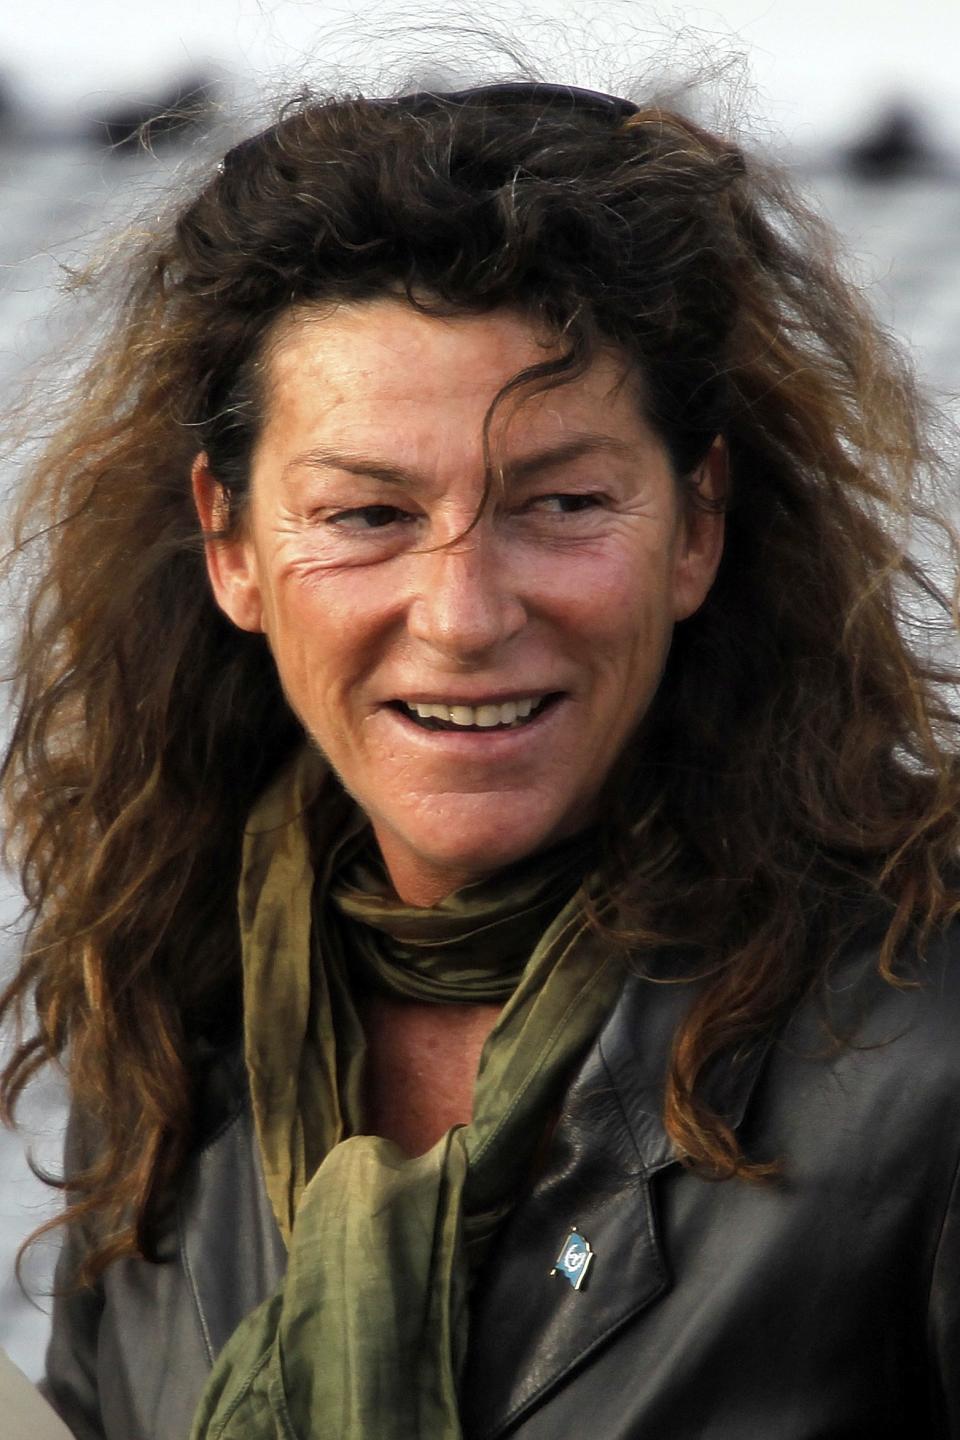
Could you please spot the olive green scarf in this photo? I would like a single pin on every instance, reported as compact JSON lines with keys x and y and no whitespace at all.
{"x":365,"y":1338}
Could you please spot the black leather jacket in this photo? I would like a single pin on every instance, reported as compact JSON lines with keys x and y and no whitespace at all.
{"x":823,"y":1306}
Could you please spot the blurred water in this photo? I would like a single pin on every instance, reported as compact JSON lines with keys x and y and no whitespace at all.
{"x":53,"y":202}
{"x":904,"y":237}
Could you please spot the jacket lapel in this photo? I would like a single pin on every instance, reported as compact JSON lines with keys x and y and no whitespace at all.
{"x":532,"y":1330}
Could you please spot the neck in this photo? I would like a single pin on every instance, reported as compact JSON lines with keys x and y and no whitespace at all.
{"x":424,"y":883}
{"x":420,"y":883}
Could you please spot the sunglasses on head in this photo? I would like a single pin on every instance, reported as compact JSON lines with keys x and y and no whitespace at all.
{"x":521,"y":92}
{"x":508,"y":92}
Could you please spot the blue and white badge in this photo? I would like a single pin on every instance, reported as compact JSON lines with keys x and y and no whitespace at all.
{"x":574,"y":1259}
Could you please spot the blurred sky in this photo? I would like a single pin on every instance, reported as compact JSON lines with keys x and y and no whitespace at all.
{"x":819,"y":68}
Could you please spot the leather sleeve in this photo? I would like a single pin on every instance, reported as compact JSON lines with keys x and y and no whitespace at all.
{"x":944,"y":1318}
{"x":70,"y":1383}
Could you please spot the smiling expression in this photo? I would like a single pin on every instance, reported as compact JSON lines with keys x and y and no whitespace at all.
{"x":472,"y":687}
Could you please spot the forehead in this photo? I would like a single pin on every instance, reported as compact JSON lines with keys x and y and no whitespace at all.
{"x":383,"y":366}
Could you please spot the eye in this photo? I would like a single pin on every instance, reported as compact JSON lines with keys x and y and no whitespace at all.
{"x":567,"y":502}
{"x":369,"y":517}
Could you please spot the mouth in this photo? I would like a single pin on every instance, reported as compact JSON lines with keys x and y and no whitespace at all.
{"x":507,"y":715}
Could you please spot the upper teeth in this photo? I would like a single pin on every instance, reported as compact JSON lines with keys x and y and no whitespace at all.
{"x":482,"y":715}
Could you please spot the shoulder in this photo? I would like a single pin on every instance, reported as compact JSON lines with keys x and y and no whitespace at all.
{"x":853,"y":1008}
{"x":911,"y":1018}
{"x":220,"y":1106}
{"x":130,"y":1355}
{"x":862,"y":1085}
{"x":860,"y":1064}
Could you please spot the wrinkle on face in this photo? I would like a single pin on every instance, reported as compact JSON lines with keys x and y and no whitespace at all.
{"x":377,"y":579}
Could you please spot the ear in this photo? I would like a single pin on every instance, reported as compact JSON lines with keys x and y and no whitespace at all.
{"x":701,"y":539}
{"x":232,"y":563}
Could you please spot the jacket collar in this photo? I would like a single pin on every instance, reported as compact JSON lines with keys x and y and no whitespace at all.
{"x":531,"y":1331}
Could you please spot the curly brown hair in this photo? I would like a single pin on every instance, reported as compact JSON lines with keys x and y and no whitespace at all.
{"x":797,"y":773}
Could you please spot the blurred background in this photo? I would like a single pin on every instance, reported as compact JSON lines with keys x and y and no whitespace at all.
{"x":859,"y":101}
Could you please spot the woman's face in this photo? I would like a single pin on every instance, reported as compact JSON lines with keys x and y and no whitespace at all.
{"x":472,"y":687}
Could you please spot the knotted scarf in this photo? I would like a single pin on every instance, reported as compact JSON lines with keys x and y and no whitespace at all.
{"x":365,"y":1338}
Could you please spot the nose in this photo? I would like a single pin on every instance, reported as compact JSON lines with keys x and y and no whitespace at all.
{"x":466,"y":604}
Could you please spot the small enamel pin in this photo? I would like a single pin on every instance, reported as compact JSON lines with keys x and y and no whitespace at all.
{"x":574,"y":1259}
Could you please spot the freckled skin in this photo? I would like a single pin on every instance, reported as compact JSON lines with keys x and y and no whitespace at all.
{"x":356,"y":560}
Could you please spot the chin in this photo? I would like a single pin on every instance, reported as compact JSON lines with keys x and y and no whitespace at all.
{"x":431,"y":861}
{"x":486,"y":844}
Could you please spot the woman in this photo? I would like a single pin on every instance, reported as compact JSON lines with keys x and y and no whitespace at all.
{"x":493,"y":848}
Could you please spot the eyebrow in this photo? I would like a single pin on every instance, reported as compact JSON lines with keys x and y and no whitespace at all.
{"x":519,"y":468}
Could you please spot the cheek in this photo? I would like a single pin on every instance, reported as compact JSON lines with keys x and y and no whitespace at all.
{"x":321,"y":631}
{"x":630,"y":643}
{"x":623,"y":603}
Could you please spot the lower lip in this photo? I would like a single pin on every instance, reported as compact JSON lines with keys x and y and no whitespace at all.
{"x":495,"y":741}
